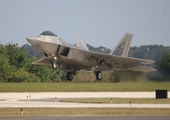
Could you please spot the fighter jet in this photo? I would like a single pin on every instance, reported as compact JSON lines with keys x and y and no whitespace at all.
{"x":73,"y":58}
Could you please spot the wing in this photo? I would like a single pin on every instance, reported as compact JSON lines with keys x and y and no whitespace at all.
{"x":43,"y":61}
{"x":113,"y":62}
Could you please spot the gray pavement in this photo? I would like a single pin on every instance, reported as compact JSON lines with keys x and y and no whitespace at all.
{"x":21,"y":104}
{"x":19,"y":100}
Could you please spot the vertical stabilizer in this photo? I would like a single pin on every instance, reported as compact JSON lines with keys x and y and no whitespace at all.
{"x":80,"y":43}
{"x":122,"y":48}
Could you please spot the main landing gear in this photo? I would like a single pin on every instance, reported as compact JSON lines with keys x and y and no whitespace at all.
{"x":69,"y":76}
{"x":97,"y":73}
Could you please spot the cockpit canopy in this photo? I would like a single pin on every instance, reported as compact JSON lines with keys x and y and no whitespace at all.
{"x":48,"y":33}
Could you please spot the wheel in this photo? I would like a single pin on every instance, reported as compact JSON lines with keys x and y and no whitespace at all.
{"x":98,"y":75}
{"x":69,"y":76}
{"x":54,"y":65}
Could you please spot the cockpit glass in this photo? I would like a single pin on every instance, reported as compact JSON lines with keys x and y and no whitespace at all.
{"x":48,"y":33}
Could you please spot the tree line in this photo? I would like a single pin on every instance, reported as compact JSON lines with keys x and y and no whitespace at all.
{"x":15,"y":65}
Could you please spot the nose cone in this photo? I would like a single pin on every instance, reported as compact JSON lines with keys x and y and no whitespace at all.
{"x":32,"y":40}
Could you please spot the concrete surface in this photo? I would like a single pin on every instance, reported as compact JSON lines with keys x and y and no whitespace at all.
{"x":18,"y":100}
{"x":85,"y":117}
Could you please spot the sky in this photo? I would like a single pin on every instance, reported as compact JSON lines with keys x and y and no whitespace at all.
{"x":98,"y":22}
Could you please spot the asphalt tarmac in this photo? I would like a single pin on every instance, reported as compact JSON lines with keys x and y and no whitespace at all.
{"x":84,"y":117}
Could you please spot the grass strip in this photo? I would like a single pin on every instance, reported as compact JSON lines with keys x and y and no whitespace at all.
{"x":85,"y":111}
{"x":83,"y":87}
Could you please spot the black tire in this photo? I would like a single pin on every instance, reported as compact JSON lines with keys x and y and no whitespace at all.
{"x":54,"y":65}
{"x":69,"y":76}
{"x":98,"y":75}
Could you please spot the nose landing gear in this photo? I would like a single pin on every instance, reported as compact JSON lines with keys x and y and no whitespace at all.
{"x":54,"y":64}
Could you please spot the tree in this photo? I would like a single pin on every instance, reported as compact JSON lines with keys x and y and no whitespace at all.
{"x":17,"y":56}
{"x":164,"y":65}
{"x":5,"y":69}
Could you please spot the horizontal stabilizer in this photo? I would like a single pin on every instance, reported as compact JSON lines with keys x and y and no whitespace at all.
{"x":142,"y":69}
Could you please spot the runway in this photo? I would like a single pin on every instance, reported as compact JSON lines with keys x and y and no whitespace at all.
{"x":37,"y":100}
{"x":19,"y":104}
{"x":40,"y":95}
{"x":85,"y":117}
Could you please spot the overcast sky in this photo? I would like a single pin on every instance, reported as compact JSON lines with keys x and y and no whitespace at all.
{"x":99,"y":22}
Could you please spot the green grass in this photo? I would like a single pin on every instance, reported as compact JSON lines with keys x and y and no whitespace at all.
{"x":83,"y":87}
{"x":86,"y":111}
{"x":119,"y":100}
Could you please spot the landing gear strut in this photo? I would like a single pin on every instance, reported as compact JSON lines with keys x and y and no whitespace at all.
{"x":54,"y":64}
{"x":95,"y":68}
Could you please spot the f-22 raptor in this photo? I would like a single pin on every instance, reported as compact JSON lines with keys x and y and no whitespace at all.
{"x":74,"y":58}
